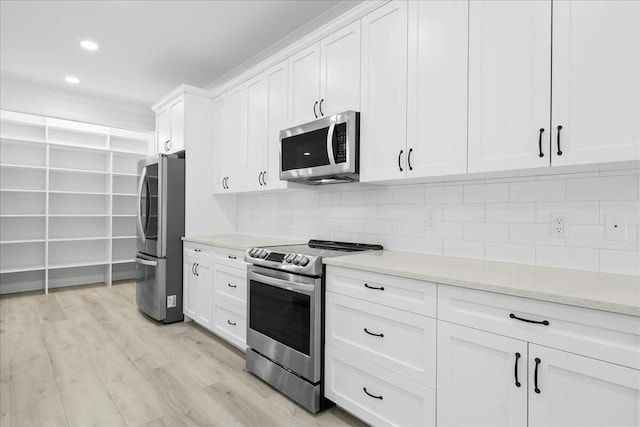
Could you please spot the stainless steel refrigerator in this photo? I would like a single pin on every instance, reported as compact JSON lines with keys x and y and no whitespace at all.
{"x":160,"y":225}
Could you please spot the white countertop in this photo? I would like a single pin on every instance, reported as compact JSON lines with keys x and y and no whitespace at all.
{"x":239,"y":241}
{"x":602,"y":291}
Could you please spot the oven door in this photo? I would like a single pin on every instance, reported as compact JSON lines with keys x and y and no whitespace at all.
{"x":324,"y":147}
{"x":284,"y":319}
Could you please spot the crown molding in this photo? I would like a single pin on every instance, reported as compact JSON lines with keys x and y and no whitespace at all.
{"x":182,"y":89}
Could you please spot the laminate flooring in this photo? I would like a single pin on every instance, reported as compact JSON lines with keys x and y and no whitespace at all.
{"x":85,"y":356}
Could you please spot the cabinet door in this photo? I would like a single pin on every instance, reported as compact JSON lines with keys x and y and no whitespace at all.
{"x":596,"y":81}
{"x":277,"y":85}
{"x":579,"y":391}
{"x":509,"y":84}
{"x":236,"y":140}
{"x":383,"y":124}
{"x":304,"y":85}
{"x":220,"y":144}
{"x":340,"y":71}
{"x":256,"y":131}
{"x":437,"y":88}
{"x":163,"y":130}
{"x":476,"y":377}
{"x":189,"y":288}
{"x":204,"y":278}
{"x":176,"y":112}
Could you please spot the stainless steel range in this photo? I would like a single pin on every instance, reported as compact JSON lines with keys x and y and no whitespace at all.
{"x":285,"y":316}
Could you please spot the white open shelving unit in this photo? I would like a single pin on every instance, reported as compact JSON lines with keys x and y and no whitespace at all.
{"x":67,"y":202}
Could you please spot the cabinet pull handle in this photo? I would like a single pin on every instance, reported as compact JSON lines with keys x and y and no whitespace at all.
{"x":409,"y":159}
{"x":535,"y":376}
{"x":259,"y":180}
{"x":193,"y":269}
{"x":381,"y":288}
{"x":314,"y":109}
{"x":231,"y":323}
{"x":375,"y":335}
{"x":515,"y":370}
{"x":197,"y":250}
{"x":264,"y":178}
{"x":540,"y":143}
{"x":196,"y":268}
{"x":167,"y":145}
{"x":232,"y":286}
{"x":321,"y":113}
{"x":224,"y":186}
{"x":559,"y":150}
{"x":232,"y":257}
{"x":399,"y":165}
{"x":227,"y":183}
{"x":371,"y":395}
{"x":539,"y":322}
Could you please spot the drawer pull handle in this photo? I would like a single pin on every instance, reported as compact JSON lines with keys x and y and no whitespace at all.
{"x":198,"y":250}
{"x":381,"y":288}
{"x":231,"y":323}
{"x":232,"y":286}
{"x":375,"y":335}
{"x":371,"y":395}
{"x":516,"y":370}
{"x":543,"y":322}
{"x":232,"y":257}
{"x":535,"y":376}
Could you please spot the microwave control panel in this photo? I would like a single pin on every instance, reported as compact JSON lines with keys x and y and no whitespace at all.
{"x":341,"y":136}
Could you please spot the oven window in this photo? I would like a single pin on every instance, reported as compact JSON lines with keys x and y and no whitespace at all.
{"x":306,"y":150}
{"x":282,"y":315}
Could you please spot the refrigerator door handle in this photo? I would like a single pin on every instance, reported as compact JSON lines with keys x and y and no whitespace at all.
{"x":143,"y":176}
{"x":146,"y":262}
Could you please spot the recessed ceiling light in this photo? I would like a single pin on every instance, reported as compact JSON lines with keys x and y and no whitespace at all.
{"x":89,"y":45}
{"x":72,"y":80}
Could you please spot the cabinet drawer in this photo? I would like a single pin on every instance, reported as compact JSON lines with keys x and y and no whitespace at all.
{"x":231,"y":283}
{"x":195,"y":250}
{"x":599,"y":334}
{"x":404,"y":402}
{"x":392,"y":291}
{"x":230,"y":257}
{"x":230,"y":323}
{"x":407,"y":345}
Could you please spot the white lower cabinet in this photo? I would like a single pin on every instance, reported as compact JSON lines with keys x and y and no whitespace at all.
{"x":214,"y":291}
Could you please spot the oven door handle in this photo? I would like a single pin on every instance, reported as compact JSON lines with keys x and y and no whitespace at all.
{"x":283,"y":284}
{"x":332,"y":160}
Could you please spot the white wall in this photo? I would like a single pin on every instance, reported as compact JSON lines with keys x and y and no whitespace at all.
{"x":502,"y":220}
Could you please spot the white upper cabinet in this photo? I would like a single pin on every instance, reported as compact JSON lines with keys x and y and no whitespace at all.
{"x":383,"y":122}
{"x":437,"y":88}
{"x":277,"y":79}
{"x":220,"y":146}
{"x":596,"y":81}
{"x":256,"y":131}
{"x":171,"y":127}
{"x":235,"y":164}
{"x":325,"y":77}
{"x":509,"y":84}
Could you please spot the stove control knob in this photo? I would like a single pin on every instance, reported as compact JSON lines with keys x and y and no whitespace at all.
{"x":288,"y":258}
{"x":263,"y":254}
{"x":297,"y":259}
{"x":304,"y":261}
{"x":252,"y":252}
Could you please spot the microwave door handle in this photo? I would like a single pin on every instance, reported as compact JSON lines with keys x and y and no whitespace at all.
{"x":143,"y":177}
{"x":282,"y":284}
{"x":332,"y":160}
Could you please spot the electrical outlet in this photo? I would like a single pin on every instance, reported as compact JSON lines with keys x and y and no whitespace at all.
{"x":615,"y":226}
{"x":429,"y":220}
{"x":559,"y":224}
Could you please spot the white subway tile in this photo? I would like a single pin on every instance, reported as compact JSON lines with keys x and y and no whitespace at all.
{"x":567,"y":176}
{"x":568,"y":257}
{"x":352,"y":225}
{"x":371,"y":197}
{"x":342,"y":211}
{"x":329,"y":199}
{"x":421,"y":212}
{"x":620,"y":262}
{"x":341,"y":236}
{"x":369,"y":238}
{"x":510,"y":252}
{"x":532,"y":191}
{"x":365,"y":212}
{"x":352,"y":197}
{"x":486,"y":193}
{"x":533,"y":234}
{"x":450,"y":194}
{"x":393,"y":243}
{"x":408,"y":195}
{"x":510,"y":179}
{"x":624,"y":187}
{"x":392,"y":212}
{"x":593,"y":236}
{"x":510,"y":212}
{"x":463,"y":249}
{"x":620,"y":172}
{"x":444,"y":230}
{"x":408,"y":228}
{"x":378,"y":226}
{"x":577,"y":212}
{"x":463,"y":212}
{"x":424,"y":245}
{"x":630,"y":208}
{"x":486,"y":231}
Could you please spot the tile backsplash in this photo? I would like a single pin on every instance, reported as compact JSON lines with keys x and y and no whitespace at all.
{"x":505,"y":220}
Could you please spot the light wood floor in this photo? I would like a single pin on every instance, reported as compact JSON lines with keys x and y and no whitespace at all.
{"x":85,"y":356}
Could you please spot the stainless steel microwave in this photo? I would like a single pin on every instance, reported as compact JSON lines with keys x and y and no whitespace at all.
{"x":323,"y":151}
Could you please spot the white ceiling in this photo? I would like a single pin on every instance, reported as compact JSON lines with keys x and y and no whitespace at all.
{"x":147,"y":48}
